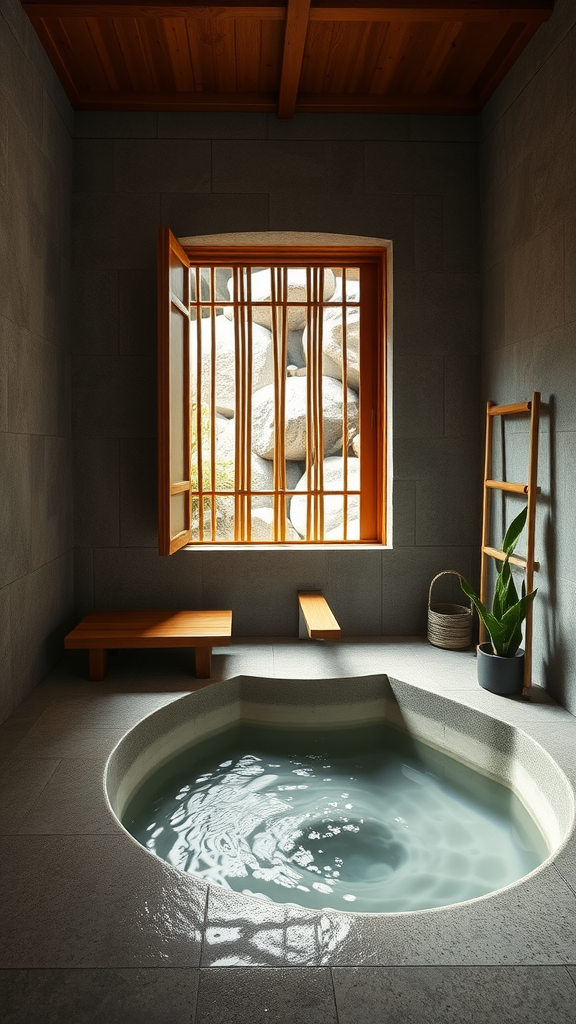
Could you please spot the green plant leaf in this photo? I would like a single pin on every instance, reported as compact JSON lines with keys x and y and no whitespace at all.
{"x":512,"y":622}
{"x":513,"y":532}
{"x":495,"y":629}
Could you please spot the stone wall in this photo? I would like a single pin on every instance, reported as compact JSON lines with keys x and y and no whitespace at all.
{"x":411,"y":179}
{"x":528,"y":162}
{"x":36,"y":544}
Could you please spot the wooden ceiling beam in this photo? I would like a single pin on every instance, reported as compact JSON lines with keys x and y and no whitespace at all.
{"x":294,"y":42}
{"x":322,"y":10}
{"x":307,"y":103}
{"x":332,"y":103}
{"x":257,"y":102}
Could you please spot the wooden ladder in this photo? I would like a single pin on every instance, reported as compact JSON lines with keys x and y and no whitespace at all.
{"x":530,"y":491}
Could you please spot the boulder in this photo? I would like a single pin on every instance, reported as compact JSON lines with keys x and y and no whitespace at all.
{"x":356,"y":445}
{"x":262,"y":292}
{"x":333,"y":504}
{"x":262,"y":525}
{"x":263,"y":418}
{"x":262,"y":469}
{"x":262,"y":361}
{"x":332,"y":345}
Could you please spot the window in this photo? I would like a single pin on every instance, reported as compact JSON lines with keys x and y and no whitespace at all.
{"x":272,"y":397}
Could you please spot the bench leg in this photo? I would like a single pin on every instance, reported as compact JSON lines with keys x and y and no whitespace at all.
{"x":98,"y":660}
{"x":203,"y":657}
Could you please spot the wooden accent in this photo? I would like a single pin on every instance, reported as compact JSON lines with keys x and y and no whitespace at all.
{"x":505,"y":485}
{"x":101,"y":631}
{"x":371,"y":266}
{"x":514,"y":559}
{"x":297,"y":16}
{"x":320,"y":622}
{"x":174,"y":511}
{"x":301,"y":56}
{"x":97,"y":662}
{"x":509,"y":410}
{"x":530,"y":491}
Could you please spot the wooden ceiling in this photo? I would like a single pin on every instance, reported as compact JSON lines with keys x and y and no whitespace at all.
{"x":417,"y":56}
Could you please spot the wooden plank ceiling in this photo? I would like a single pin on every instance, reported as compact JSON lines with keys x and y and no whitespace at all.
{"x":417,"y":56}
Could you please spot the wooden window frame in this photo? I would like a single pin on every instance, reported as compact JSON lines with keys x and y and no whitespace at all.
{"x":175,"y":260}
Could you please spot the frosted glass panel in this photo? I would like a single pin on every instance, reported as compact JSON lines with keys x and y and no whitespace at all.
{"x":178,"y":454}
{"x":178,"y":513}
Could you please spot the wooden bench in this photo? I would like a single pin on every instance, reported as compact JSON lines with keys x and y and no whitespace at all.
{"x":100,"y":632}
{"x":316,"y":618}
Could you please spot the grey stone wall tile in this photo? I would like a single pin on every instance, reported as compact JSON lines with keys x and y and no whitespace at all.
{"x":138,"y":493}
{"x":542,"y":107}
{"x":426,"y":168}
{"x":461,"y":233}
{"x":380,"y":216}
{"x":7,"y":329}
{"x":83,"y":582}
{"x":121,"y":228}
{"x":493,"y":299}
{"x":444,"y":127}
{"x":493,"y":157}
{"x":96,"y":491}
{"x":463,"y":413}
{"x":447,"y":501}
{"x":294,"y":167}
{"x":403,"y":513}
{"x":137,"y":315}
{"x":436,"y":312}
{"x":95,"y":310}
{"x":534,"y":286}
{"x":193,"y":124}
{"x":203,"y":214}
{"x":162,"y":165}
{"x":140,"y":578}
{"x":52,"y":520}
{"x":56,"y":133}
{"x":570,"y":268}
{"x":3,"y":142}
{"x":554,"y":655}
{"x":93,"y":165}
{"x":114,"y":396}
{"x":116,"y":124}
{"x":428,"y":233}
{"x":508,"y":215}
{"x":7,"y":703}
{"x":21,"y":83}
{"x":340,"y":126}
{"x":41,"y":615}
{"x":418,"y":394}
{"x":39,"y":392}
{"x":21,"y":467}
{"x":353,"y":590}
{"x":552,"y":179}
{"x":261,"y":586}
{"x":406,"y":576}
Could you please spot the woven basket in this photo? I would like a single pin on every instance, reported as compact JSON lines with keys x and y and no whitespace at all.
{"x":449,"y":625}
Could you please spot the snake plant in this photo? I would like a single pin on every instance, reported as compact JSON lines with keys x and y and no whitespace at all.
{"x":504,"y":622}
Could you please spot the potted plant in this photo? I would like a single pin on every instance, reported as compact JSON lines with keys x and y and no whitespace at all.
{"x":501,"y":661}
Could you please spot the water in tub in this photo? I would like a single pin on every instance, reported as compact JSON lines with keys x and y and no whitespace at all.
{"x":358,"y":819}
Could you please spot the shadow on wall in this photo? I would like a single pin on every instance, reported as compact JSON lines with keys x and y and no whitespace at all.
{"x":554,"y":660}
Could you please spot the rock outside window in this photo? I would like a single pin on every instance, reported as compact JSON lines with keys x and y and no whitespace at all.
{"x":272,"y":416}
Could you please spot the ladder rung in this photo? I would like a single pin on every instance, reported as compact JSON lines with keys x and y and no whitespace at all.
{"x":510,"y":410}
{"x":503,"y":485}
{"x":514,"y":559}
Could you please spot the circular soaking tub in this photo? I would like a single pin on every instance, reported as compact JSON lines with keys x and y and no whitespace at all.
{"x":293,"y":823}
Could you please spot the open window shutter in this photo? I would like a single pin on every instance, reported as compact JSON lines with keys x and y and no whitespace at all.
{"x":173,"y":395}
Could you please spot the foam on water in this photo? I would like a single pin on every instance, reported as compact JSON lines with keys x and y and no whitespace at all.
{"x":364,"y":819}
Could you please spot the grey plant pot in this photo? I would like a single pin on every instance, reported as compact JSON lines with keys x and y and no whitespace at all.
{"x":500,"y":675}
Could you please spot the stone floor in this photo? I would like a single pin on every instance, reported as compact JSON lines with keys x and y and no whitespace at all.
{"x":95,"y":930}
